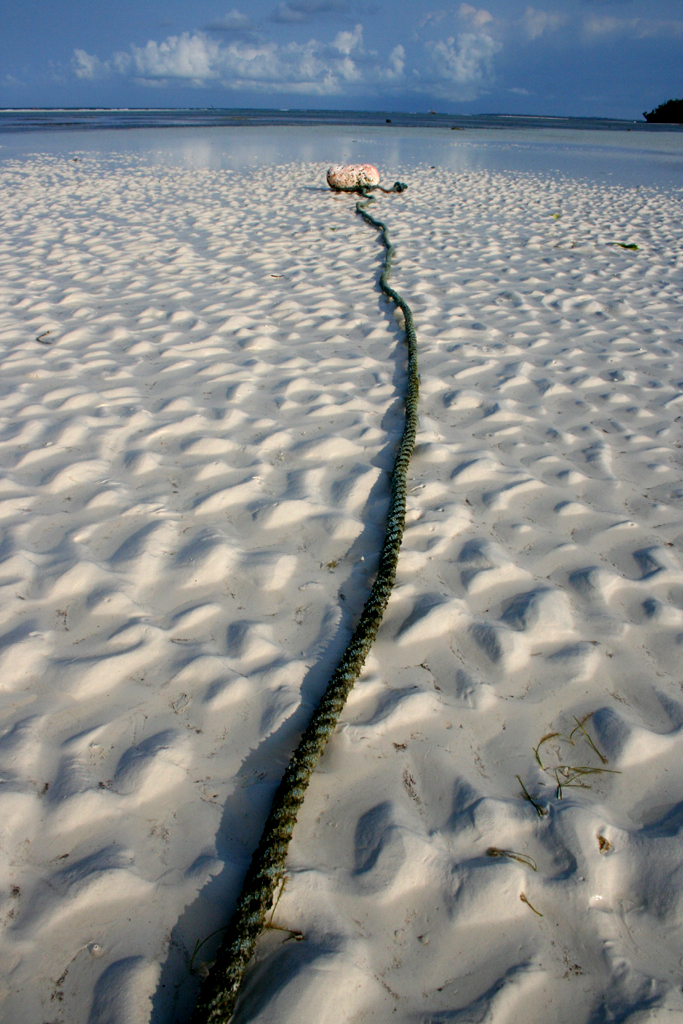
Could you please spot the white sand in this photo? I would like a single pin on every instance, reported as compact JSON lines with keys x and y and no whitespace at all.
{"x":194,"y":478}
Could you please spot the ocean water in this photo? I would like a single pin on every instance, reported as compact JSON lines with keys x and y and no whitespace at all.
{"x":618,"y":152}
{"x":71,"y":119}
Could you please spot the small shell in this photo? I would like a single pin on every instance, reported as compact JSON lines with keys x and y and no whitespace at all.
{"x":352,"y":176}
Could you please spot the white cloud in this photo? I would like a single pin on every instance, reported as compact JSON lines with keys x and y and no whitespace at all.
{"x":477,"y":17}
{"x":463,"y":67}
{"x":598,"y":26}
{"x":537,"y":23}
{"x":195,"y":57}
{"x":85,"y":65}
{"x":234,"y":19}
{"x":397,"y":60}
{"x":345,"y":42}
{"x":459,"y":67}
{"x":313,"y":68}
{"x":234,"y":22}
{"x":605,"y":24}
{"x":296,"y":11}
{"x":432,"y":17}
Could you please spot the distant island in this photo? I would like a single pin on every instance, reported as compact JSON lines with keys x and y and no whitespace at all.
{"x":670,"y":112}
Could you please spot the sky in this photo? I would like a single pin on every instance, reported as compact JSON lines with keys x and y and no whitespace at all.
{"x":611,"y":58}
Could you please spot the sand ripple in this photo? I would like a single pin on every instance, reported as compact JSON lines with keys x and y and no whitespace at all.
{"x":194,"y":474}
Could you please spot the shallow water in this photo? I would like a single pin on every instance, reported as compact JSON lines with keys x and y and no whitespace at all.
{"x":619,"y":158}
{"x":89,"y":119}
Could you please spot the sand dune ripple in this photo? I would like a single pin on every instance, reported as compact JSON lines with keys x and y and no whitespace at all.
{"x":193,"y":481}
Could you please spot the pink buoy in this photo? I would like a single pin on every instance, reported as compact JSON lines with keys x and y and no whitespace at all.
{"x":348,"y":177}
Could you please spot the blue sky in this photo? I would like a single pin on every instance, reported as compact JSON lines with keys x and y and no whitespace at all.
{"x":577,"y":57}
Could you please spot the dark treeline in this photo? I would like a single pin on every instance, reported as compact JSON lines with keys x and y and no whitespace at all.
{"x":670,"y":112}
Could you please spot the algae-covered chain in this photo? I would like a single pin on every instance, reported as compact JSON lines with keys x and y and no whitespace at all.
{"x":219,"y":991}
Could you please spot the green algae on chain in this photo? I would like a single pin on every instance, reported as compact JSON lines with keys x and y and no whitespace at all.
{"x":219,"y":992}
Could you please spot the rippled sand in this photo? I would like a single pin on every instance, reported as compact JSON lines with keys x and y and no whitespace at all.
{"x":194,"y":478}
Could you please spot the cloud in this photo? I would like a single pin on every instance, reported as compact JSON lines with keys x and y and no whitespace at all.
{"x":463,"y":68}
{"x":194,"y":57}
{"x":432,"y":17}
{"x":232,"y":20}
{"x":597,"y":26}
{"x":296,"y":11}
{"x":11,"y":81}
{"x":605,"y":24}
{"x":345,"y":42}
{"x":397,"y":60}
{"x":86,"y":66}
{"x":459,"y":67}
{"x":537,"y":23}
{"x":313,"y":68}
{"x":477,"y":17}
{"x":232,"y":23}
